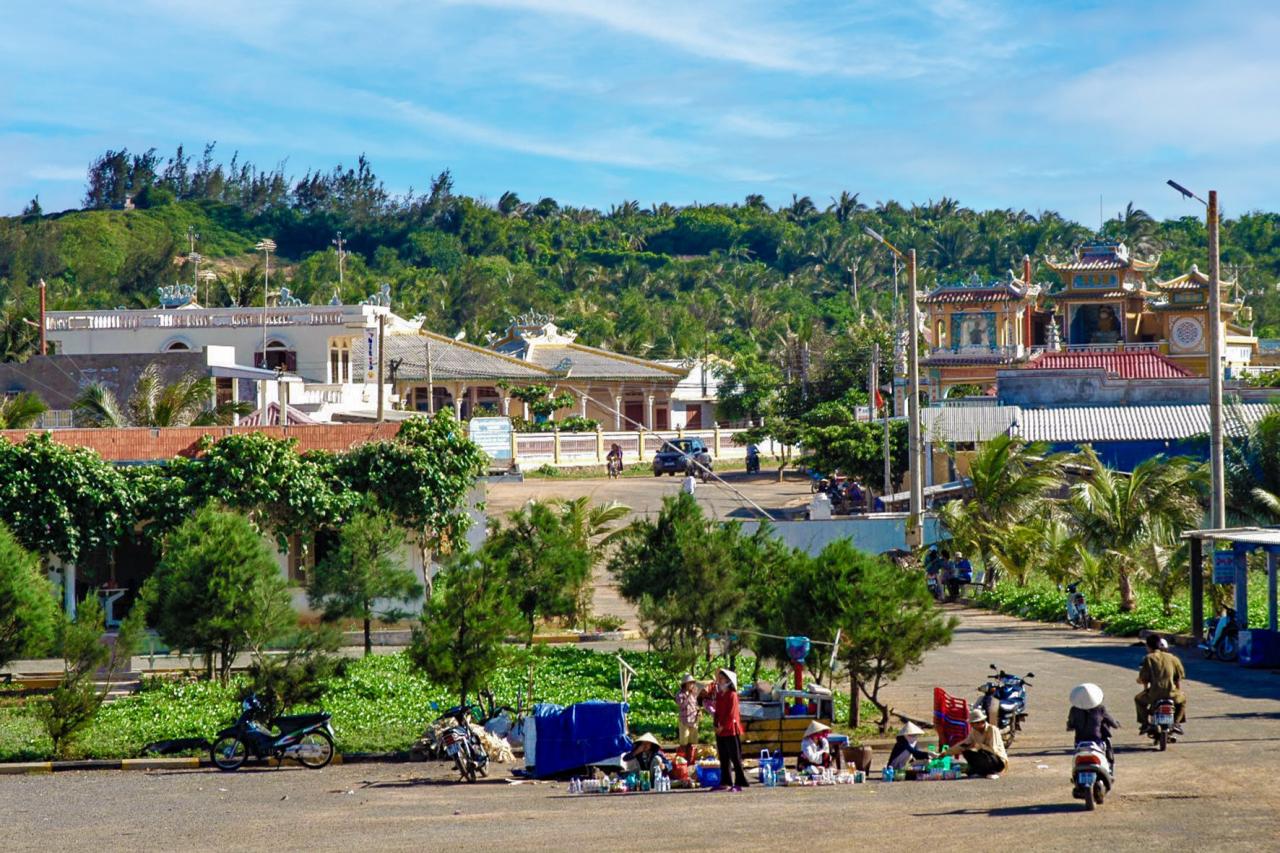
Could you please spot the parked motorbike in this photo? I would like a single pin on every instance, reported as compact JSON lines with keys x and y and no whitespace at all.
{"x":463,"y":745}
{"x":307,"y":738}
{"x":1160,"y":723}
{"x":1091,"y":774}
{"x":1222,"y":637}
{"x":753,"y":459}
{"x":1077,"y":607}
{"x":1004,"y":699}
{"x":934,"y":585}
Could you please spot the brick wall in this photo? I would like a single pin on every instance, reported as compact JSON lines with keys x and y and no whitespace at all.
{"x":149,"y":445}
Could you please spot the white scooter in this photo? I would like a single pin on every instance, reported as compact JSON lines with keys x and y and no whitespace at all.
{"x":1077,"y":607}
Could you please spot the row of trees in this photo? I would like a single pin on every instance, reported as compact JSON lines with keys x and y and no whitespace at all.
{"x":1069,"y":517}
{"x":699,"y":583}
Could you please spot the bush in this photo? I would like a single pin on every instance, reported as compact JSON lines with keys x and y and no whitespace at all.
{"x":577,"y":423}
{"x":28,"y":609}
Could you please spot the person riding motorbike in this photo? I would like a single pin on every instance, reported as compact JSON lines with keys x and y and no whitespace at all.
{"x":1161,"y":676}
{"x":753,"y":459}
{"x":1089,"y":718}
{"x":615,"y":454}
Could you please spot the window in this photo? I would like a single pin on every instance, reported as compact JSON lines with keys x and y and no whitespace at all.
{"x":278,"y":356}
{"x":224,"y":390}
{"x":339,"y":360}
{"x":176,"y":346}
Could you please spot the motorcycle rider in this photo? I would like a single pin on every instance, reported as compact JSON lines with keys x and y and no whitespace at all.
{"x":753,"y":459}
{"x":615,"y":455}
{"x":1089,"y":718}
{"x":932,"y":567}
{"x":1161,"y":676}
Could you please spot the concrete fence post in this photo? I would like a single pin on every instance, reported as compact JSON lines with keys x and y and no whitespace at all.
{"x":555,"y":444}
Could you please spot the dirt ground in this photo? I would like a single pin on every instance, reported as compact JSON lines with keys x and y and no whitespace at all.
{"x":1214,"y":790}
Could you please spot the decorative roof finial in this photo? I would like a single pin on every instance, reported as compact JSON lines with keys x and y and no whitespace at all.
{"x":1054,"y":336}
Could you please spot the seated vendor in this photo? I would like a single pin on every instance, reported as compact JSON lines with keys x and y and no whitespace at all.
{"x":647,"y":753}
{"x":815,"y":749}
{"x":905,"y":749}
{"x":983,"y":748}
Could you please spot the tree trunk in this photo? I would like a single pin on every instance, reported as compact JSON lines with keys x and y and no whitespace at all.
{"x":1127,"y":602}
{"x":855,"y":703}
{"x":368,"y":638}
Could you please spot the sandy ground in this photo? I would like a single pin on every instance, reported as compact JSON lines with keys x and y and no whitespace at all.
{"x":1214,"y":790}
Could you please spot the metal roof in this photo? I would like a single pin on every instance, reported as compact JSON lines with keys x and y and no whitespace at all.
{"x":967,"y":424}
{"x":1250,"y":535}
{"x":1128,"y":423}
{"x":450,"y":360}
{"x":584,"y":362}
{"x":1139,"y":364}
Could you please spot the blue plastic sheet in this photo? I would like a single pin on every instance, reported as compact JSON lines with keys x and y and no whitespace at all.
{"x":573,"y":737}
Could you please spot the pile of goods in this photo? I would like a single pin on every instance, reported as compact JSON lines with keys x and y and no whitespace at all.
{"x":934,"y":770}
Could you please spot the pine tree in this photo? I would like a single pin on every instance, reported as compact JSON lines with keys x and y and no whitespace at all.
{"x":28,"y":609}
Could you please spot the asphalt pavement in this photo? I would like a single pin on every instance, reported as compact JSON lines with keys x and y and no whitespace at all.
{"x":1214,"y":790}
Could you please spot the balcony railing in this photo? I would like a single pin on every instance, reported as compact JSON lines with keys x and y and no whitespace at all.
{"x":196,"y":318}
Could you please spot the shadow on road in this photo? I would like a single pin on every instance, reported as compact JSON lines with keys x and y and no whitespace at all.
{"x":1228,"y":678}
{"x":1009,"y":811}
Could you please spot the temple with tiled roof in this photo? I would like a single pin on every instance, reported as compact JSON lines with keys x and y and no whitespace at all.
{"x":977,"y":326}
{"x":1101,"y":298}
{"x":1177,"y":315}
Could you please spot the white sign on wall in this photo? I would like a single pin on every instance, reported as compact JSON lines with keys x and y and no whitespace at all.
{"x":493,"y":436}
{"x":371,"y":363}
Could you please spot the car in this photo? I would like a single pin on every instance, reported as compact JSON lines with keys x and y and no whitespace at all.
{"x":678,"y":456}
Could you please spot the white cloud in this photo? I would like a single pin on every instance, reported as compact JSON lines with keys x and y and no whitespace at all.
{"x":58,"y":173}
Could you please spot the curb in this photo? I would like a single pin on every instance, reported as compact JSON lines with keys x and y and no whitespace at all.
{"x":192,"y":762}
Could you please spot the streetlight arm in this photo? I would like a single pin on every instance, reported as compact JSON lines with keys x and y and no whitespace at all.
{"x":879,"y":238}
{"x":1186,"y":193}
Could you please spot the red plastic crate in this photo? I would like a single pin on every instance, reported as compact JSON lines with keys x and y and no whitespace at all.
{"x":950,"y":717}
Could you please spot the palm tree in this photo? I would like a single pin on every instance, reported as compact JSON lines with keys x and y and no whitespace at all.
{"x":1252,"y":457}
{"x":21,"y":411}
{"x":185,"y":402}
{"x":593,"y":526}
{"x":1011,"y":478}
{"x":846,"y":206}
{"x":1121,"y":516}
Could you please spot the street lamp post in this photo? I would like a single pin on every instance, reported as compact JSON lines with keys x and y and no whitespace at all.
{"x":266,"y":246}
{"x":342,"y":255}
{"x":915,"y":451}
{"x":1217,"y":498}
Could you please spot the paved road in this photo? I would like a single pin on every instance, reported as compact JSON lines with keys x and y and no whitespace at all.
{"x":644,"y":495}
{"x":1214,"y":790}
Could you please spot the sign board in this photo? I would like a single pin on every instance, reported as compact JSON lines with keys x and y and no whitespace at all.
{"x":1224,"y":567}
{"x":493,"y":436}
{"x":371,"y":356}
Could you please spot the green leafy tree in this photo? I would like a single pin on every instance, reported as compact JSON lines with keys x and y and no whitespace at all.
{"x":422,"y":479}
{"x":28,"y":609}
{"x":544,"y":560}
{"x":460,"y":644}
{"x":21,"y":411}
{"x":187,"y":401}
{"x":543,"y":400}
{"x":594,"y":527}
{"x":61,"y":500}
{"x":835,"y":440}
{"x":363,"y":577}
{"x":890,"y":622}
{"x":298,"y":676}
{"x":217,"y":589}
{"x":1252,"y":462}
{"x":88,"y":660}
{"x":682,"y":572}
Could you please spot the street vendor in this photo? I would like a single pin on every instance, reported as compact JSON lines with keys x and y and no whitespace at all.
{"x":983,"y":748}
{"x":689,"y":712}
{"x":905,"y":749}
{"x":647,"y":753}
{"x":721,"y":700}
{"x":815,"y":749}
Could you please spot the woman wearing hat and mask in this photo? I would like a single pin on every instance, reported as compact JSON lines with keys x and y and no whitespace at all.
{"x":983,"y":748}
{"x":722,"y":701}
{"x":905,"y":749}
{"x":815,"y":749}
{"x":1089,"y":718}
{"x":690,"y":711}
{"x":647,"y":753}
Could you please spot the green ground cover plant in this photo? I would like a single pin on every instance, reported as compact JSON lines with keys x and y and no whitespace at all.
{"x":380,"y":703}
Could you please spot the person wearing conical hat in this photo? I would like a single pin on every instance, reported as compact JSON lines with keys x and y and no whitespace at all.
{"x":689,"y":712}
{"x":983,"y":748}
{"x":647,"y":753}
{"x":721,"y":700}
{"x":815,"y":749}
{"x":905,"y":749}
{"x":1089,"y":718}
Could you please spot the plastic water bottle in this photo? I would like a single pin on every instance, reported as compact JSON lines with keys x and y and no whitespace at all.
{"x":887,"y":776}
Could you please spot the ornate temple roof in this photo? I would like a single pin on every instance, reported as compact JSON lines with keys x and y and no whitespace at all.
{"x":1193,"y":279}
{"x":1138,"y":364}
{"x":975,"y":289}
{"x":1099,"y":255}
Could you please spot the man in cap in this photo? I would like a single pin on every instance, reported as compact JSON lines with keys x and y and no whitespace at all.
{"x":983,"y":748}
{"x":905,"y":749}
{"x":1161,"y":677}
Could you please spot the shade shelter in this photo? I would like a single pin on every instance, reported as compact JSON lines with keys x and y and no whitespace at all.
{"x":1242,"y":540}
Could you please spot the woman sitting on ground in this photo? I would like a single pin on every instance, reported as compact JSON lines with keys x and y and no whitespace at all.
{"x":815,"y":749}
{"x":647,"y":753}
{"x":983,"y":748}
{"x":905,"y":749}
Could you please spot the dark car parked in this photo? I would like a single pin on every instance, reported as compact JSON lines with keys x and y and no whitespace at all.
{"x":679,"y":456}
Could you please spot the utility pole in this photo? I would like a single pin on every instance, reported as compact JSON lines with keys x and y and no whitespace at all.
{"x":338,"y":241}
{"x":43,"y":344}
{"x":915,"y":535}
{"x":1217,"y":497}
{"x":431,"y":385}
{"x":1217,"y":503}
{"x":382,"y":328}
{"x":266,"y":246}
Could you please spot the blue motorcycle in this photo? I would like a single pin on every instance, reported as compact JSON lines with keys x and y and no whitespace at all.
{"x":1004,"y":700}
{"x":1222,"y":637}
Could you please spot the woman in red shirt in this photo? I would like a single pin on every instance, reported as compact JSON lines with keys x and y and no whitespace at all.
{"x":722,"y":701}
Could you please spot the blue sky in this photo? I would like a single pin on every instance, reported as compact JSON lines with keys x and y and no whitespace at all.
{"x":998,"y":104}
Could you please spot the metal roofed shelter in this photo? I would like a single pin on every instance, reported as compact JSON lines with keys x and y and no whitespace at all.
{"x":1242,"y":541}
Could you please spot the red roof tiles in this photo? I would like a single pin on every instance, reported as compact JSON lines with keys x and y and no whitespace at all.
{"x":1142,"y":364}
